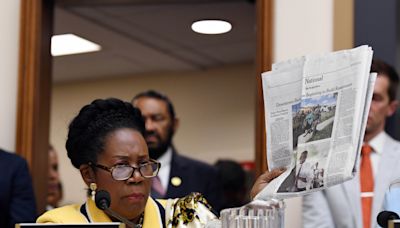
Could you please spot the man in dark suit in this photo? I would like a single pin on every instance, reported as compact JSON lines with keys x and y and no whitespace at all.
{"x":17,"y":201}
{"x":179,"y":175}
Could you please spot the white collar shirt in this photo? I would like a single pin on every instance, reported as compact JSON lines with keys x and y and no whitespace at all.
{"x":377,"y":143}
{"x":165,"y":169}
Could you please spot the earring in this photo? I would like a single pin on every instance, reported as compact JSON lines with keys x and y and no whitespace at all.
{"x":93,"y":187}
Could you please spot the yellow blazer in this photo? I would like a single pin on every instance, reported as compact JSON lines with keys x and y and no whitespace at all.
{"x":178,"y":213}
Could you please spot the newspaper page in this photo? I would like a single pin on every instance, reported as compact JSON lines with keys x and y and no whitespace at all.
{"x":316,"y":109}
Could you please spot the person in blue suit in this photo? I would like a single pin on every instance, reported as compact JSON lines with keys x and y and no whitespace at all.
{"x":179,"y":175}
{"x":17,"y":200}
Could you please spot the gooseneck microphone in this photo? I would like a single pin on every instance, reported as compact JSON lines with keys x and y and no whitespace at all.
{"x":384,"y":217}
{"x":103,"y":199}
{"x":103,"y":202}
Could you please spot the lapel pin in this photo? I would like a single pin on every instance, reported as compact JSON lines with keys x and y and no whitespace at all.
{"x":176,"y":181}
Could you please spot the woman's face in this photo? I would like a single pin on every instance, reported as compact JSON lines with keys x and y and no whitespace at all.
{"x":129,"y":197}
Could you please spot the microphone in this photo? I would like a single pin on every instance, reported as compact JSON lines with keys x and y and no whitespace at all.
{"x":384,"y":217}
{"x":103,"y":202}
{"x":102,"y":199}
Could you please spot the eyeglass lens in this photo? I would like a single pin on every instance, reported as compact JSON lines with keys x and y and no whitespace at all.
{"x":125,"y":172}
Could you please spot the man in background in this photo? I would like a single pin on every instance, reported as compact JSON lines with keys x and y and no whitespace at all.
{"x":54,"y":187}
{"x":17,"y":200}
{"x":356,"y":203}
{"x":179,"y":175}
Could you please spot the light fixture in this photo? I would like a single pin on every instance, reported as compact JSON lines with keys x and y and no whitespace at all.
{"x":211,"y":26}
{"x":68,"y":44}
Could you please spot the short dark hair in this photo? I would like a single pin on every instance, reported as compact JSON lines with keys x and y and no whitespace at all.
{"x":233,"y":176}
{"x":385,"y":69}
{"x":159,"y":96}
{"x":88,"y":130}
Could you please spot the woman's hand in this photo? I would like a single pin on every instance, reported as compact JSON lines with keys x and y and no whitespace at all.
{"x":264,"y":179}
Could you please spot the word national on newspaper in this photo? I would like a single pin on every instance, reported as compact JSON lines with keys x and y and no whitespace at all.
{"x":316,"y":110}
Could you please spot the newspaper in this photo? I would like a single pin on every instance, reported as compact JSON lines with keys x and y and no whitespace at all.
{"x":316,"y":109}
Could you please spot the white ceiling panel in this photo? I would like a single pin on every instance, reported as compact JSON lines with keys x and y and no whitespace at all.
{"x":139,"y":38}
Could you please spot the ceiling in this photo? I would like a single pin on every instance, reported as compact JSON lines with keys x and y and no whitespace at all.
{"x":145,"y":36}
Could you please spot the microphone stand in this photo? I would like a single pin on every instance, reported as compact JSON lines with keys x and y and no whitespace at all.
{"x":103,"y":201}
{"x":122,"y":219}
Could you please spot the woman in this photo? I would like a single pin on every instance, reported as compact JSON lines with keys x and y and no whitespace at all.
{"x":105,"y":142}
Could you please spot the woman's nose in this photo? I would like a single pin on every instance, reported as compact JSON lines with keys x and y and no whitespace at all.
{"x":136,"y":176}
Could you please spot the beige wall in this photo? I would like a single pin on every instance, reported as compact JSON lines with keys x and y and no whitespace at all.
{"x":301,"y":27}
{"x":215,"y":107}
{"x":9,"y":44}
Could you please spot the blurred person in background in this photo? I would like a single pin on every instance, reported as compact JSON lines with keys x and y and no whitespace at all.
{"x":179,"y":175}
{"x":17,"y":199}
{"x":54,"y":187}
{"x":234,"y":183}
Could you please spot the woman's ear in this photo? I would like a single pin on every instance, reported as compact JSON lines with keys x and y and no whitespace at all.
{"x":87,"y":174}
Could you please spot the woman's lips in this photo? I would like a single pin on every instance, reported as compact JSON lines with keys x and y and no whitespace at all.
{"x":135,"y":197}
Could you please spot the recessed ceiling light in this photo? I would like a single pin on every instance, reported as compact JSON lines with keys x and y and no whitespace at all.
{"x":211,"y":26}
{"x":68,"y":44}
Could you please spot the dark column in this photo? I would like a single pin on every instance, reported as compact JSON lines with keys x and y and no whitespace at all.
{"x":375,"y":24}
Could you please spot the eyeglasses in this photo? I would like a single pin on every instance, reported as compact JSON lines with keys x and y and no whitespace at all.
{"x":124,"y":172}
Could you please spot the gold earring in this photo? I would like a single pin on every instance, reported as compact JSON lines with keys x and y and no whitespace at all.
{"x":93,"y":187}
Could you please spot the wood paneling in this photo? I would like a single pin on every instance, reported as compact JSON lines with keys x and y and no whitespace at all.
{"x":343,"y":24}
{"x":263,"y":60}
{"x":32,"y":140}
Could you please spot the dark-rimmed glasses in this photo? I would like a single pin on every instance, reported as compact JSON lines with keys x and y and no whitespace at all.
{"x":124,"y":172}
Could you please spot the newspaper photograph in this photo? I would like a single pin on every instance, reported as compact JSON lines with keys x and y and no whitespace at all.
{"x":316,"y":109}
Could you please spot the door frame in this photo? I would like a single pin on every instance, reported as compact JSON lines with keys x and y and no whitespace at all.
{"x":35,"y":80}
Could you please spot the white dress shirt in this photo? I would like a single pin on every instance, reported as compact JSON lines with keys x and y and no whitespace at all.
{"x":165,"y":169}
{"x":377,"y":144}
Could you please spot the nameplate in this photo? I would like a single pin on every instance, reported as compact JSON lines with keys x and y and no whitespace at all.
{"x":71,"y":225}
{"x":394,"y":223}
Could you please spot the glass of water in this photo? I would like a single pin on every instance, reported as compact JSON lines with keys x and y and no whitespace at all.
{"x":256,"y":214}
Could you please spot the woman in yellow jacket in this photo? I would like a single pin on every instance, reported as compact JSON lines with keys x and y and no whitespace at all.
{"x":105,"y":142}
